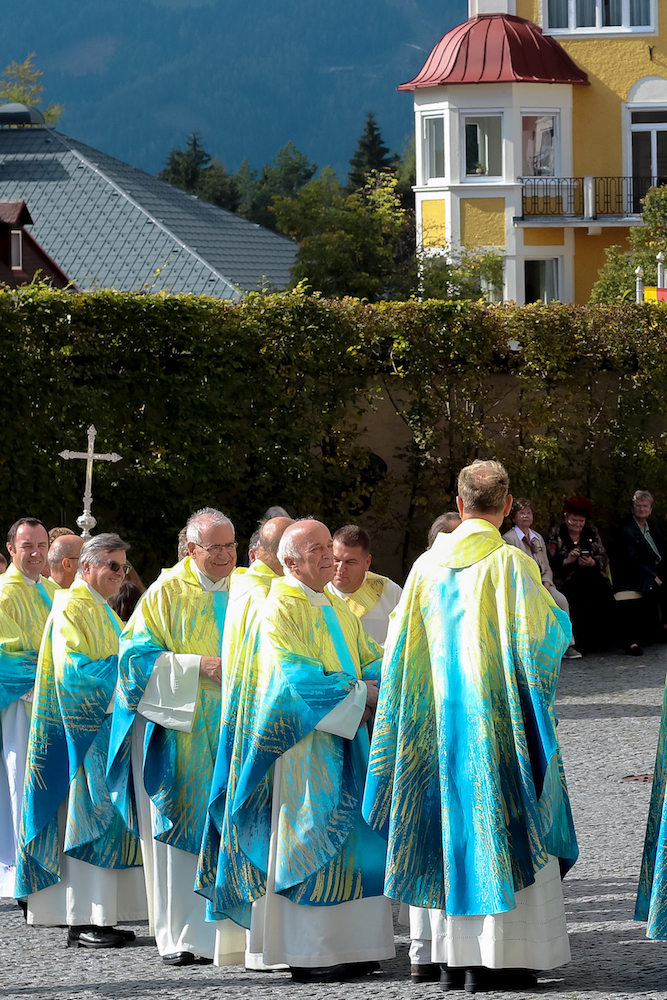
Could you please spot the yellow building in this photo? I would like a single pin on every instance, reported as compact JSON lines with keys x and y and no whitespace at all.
{"x":540,"y":126}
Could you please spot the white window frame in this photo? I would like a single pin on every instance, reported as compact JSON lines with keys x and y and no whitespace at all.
{"x":630,"y":128}
{"x":481,"y":113}
{"x":560,"y":273}
{"x":13,"y":233}
{"x":625,"y":28}
{"x":555,"y":113}
{"x":430,"y":116}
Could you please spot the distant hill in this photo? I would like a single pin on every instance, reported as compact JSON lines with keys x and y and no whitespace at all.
{"x":137,"y":76}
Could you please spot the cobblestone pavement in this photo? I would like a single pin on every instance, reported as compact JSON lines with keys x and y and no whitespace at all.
{"x":609,"y":709}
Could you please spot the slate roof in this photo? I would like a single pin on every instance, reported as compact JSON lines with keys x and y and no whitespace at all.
{"x":109,"y":225}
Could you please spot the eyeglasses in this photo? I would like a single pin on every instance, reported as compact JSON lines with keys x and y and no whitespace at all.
{"x":115,"y":566}
{"x":216,"y":549}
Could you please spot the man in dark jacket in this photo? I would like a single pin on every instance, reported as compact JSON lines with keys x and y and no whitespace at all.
{"x":640,"y":567}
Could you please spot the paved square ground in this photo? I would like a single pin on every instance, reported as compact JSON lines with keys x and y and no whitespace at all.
{"x":609,"y":710}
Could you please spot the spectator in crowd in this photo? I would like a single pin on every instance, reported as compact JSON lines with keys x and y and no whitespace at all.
{"x":125,"y":601}
{"x":3,"y":563}
{"x":639,"y":572}
{"x":581,"y":572}
{"x":523,"y":537}
{"x":443,"y":523}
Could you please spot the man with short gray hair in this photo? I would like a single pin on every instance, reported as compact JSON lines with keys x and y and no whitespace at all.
{"x":63,"y":559}
{"x":166,"y":722}
{"x":465,"y":778}
{"x":302,"y":870}
{"x":78,"y":863}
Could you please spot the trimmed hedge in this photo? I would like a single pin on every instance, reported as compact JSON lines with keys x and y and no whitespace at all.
{"x":245,"y":404}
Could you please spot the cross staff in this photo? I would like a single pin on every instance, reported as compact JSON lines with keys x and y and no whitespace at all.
{"x":86,"y":521}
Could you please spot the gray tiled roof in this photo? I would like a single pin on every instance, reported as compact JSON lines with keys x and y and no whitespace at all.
{"x":109,"y":225}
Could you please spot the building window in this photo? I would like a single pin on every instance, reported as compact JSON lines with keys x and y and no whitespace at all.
{"x":612,"y":15}
{"x":483,"y":145}
{"x":16,"y":249}
{"x":539,"y":145}
{"x":434,"y":148}
{"x":541,"y":280}
{"x":648,"y":134}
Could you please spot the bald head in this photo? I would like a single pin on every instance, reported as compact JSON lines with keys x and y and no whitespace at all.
{"x":306,"y":553}
{"x":269,"y":539}
{"x":64,"y":559}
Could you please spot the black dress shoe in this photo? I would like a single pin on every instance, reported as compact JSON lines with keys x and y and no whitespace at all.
{"x":516,"y":979}
{"x":428,"y":973}
{"x":474,"y":979}
{"x":179,"y":958}
{"x":128,"y":935}
{"x":451,"y":978}
{"x":333,"y":973}
{"x":94,"y":937}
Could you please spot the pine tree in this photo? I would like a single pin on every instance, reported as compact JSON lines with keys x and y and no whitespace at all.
{"x":21,"y":84}
{"x":371,"y":154}
{"x":183,"y":167}
{"x":193,"y":170}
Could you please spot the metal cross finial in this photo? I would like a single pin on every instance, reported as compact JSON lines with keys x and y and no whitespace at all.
{"x":86,"y":521}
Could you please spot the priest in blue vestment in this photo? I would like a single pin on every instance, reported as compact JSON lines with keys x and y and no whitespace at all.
{"x":78,"y":863}
{"x":465,"y":776}
{"x":25,"y":603}
{"x":165,"y":733}
{"x":297,"y":864}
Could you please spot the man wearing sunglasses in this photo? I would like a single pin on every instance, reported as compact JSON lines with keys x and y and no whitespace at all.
{"x":78,"y":863}
{"x":166,"y":721}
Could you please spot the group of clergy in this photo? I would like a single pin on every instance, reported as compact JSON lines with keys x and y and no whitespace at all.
{"x":242,"y":764}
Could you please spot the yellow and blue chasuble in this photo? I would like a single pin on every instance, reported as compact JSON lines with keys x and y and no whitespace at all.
{"x":247,"y":593}
{"x":465,"y":778}
{"x":652,"y":892}
{"x":363,"y":600}
{"x":67,"y":750}
{"x":23,"y":614}
{"x":175,"y":615}
{"x":302,"y":661}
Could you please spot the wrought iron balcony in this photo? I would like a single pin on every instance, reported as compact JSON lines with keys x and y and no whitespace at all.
{"x":585,"y":197}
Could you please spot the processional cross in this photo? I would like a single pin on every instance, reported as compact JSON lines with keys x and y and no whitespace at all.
{"x":86,"y":521}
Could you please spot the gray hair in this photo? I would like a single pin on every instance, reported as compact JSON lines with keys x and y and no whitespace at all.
{"x":639,"y":495}
{"x":253,"y":544}
{"x":287,"y":546}
{"x":208,"y":514}
{"x":96,"y":548}
{"x":483,"y":487}
{"x":61,"y":549}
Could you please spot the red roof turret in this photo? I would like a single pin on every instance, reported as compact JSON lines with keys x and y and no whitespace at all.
{"x":496,"y":48}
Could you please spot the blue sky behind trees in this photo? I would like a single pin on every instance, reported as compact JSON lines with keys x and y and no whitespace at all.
{"x":137,"y":76}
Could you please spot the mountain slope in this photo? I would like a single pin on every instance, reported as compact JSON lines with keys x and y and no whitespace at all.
{"x":137,"y":76}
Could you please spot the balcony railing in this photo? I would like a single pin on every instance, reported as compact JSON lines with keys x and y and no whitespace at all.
{"x":585,"y":197}
{"x":549,"y":196}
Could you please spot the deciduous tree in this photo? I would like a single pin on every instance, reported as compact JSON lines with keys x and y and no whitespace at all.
{"x":21,"y":83}
{"x":616,"y":281}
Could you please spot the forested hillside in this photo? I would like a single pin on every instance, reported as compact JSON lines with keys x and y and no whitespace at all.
{"x":137,"y":76}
